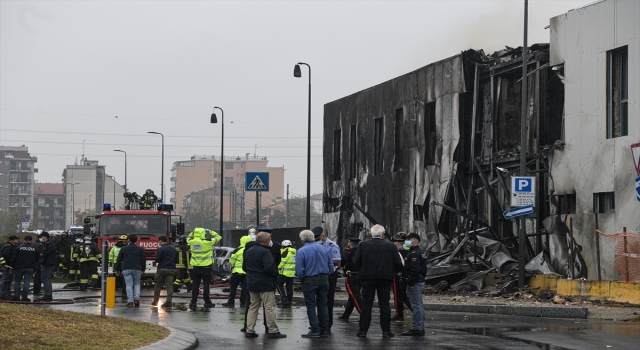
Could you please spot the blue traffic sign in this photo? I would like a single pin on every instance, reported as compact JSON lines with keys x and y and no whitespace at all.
{"x":25,"y":218}
{"x":523,"y":191}
{"x":638,"y":188}
{"x":515,"y":212}
{"x":256,"y":181}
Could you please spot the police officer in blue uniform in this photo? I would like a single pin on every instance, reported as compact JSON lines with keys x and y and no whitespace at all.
{"x":334,"y":251}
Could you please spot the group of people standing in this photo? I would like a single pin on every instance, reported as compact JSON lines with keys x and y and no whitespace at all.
{"x":20,"y":263}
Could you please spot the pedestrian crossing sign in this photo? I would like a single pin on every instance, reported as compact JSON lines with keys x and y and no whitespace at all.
{"x":256,"y":181}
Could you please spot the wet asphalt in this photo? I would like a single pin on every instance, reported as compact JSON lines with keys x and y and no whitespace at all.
{"x":219,"y":328}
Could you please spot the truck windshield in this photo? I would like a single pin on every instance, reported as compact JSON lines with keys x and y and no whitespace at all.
{"x":116,"y":225}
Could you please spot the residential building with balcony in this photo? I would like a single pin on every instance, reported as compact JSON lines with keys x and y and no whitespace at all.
{"x":17,"y":169}
{"x":49,"y":207}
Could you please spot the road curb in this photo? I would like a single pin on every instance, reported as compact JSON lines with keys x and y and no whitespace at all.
{"x":531,"y":311}
{"x":176,"y":340}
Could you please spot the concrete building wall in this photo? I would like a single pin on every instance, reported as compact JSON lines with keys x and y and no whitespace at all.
{"x":18,"y":178}
{"x":591,"y":162}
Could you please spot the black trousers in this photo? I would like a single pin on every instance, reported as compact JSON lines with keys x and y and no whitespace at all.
{"x":236,"y":280}
{"x":355,"y":297}
{"x":201,"y":274}
{"x":331,"y":294}
{"x":37,"y":281}
{"x":369,"y":289}
{"x":400,"y":297}
{"x":287,"y":282}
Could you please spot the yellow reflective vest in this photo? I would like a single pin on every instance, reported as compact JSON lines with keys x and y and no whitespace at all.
{"x":201,"y":247}
{"x":236,"y":258}
{"x":287,"y":265}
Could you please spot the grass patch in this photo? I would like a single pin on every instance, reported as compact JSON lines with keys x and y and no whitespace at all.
{"x":26,"y":327}
{"x":635,"y":319}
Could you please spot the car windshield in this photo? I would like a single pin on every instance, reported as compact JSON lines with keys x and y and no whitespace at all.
{"x":116,"y":225}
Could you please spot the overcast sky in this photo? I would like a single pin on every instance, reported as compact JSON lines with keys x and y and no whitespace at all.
{"x":68,"y":68}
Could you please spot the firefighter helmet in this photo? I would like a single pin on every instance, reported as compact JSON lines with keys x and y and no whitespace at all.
{"x":182,"y":239}
{"x":123,"y":238}
{"x":286,"y":243}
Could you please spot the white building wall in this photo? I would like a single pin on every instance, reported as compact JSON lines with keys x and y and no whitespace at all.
{"x":589,"y":162}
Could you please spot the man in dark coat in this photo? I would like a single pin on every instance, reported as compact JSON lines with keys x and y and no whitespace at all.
{"x":261,"y":274}
{"x":48,"y":262}
{"x":6,"y":256}
{"x":131,"y":263}
{"x":415,"y":270}
{"x":23,"y":265}
{"x":377,"y":261}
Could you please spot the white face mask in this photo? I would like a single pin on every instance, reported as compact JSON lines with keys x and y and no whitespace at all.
{"x":270,"y":244}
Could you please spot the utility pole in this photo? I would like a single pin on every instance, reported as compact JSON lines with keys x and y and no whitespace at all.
{"x":523,"y":147}
{"x":286,"y":222}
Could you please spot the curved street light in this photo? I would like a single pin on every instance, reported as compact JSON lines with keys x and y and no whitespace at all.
{"x":214,"y":120}
{"x":298,"y":74}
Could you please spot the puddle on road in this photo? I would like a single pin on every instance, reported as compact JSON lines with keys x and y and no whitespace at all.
{"x":499,"y":333}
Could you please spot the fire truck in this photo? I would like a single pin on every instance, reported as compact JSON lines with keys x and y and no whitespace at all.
{"x":143,"y":216}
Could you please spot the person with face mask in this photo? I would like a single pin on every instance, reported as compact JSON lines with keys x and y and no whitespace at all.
{"x":415,"y":270}
{"x":400,"y":297}
{"x":48,"y":261}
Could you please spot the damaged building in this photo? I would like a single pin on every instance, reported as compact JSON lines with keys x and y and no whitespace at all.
{"x":433,"y":152}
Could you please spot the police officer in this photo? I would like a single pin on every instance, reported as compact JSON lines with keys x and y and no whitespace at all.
{"x":286,"y":272}
{"x":88,"y":262}
{"x":23,"y":265}
{"x":113,"y":257}
{"x":37,"y":277}
{"x":334,"y":251}
{"x":238,"y":276}
{"x":8,"y":251}
{"x":399,"y":286}
{"x":183,"y":265}
{"x":201,"y":246}
{"x":415,"y":271}
{"x":351,"y":281}
{"x":48,"y":261}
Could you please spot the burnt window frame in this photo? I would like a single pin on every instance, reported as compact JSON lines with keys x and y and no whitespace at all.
{"x":429,"y":133}
{"x":398,"y":162}
{"x":337,"y":159}
{"x":566,"y":204}
{"x":353,"y":152}
{"x":378,"y":143}
{"x":618,"y":92}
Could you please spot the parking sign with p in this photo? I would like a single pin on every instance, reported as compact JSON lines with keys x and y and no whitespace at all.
{"x":523,"y":191}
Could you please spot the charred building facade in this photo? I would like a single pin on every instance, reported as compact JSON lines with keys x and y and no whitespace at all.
{"x":432,"y":152}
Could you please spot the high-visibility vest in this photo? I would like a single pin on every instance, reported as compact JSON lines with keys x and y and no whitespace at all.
{"x":113,"y":254}
{"x":236,"y":261}
{"x":200,"y":245}
{"x":287,"y":265}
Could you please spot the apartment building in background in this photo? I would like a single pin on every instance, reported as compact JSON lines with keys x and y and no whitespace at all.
{"x":202,"y":174}
{"x":49,"y":207}
{"x":17,"y":170}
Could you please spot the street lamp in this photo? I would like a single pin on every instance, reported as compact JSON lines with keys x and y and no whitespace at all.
{"x":125,"y":169}
{"x":85,"y":209}
{"x":297,"y":73}
{"x":73,"y":201}
{"x":214,"y":120}
{"x":162,"y":171}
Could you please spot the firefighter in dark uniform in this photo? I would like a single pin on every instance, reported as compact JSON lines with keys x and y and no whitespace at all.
{"x":182,"y":265}
{"x":149,"y":199}
{"x":351,"y":280}
{"x":74,"y":257}
{"x":63,"y":246}
{"x":89,"y":257}
{"x":400,"y":298}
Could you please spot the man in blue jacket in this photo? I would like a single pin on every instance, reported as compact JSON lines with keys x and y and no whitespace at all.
{"x":131,"y":263}
{"x":261,"y":274}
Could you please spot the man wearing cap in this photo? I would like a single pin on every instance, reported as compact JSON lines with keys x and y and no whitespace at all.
{"x":378,"y":261}
{"x":313,"y":266}
{"x":351,"y":281}
{"x":23,"y":264}
{"x":415,"y":270}
{"x":334,"y":251}
{"x":400,"y":297}
{"x":8,"y":250}
{"x":286,"y":271}
{"x":48,"y":261}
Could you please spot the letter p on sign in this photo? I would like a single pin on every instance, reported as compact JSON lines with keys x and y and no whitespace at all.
{"x":524,"y":185}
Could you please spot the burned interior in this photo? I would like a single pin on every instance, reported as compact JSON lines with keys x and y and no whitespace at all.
{"x":432,"y":152}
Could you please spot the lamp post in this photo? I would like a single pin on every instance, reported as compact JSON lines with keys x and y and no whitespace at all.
{"x":214,"y":120}
{"x":73,"y":200}
{"x":125,"y":169}
{"x":297,"y":73}
{"x":85,"y":209}
{"x":162,"y":171}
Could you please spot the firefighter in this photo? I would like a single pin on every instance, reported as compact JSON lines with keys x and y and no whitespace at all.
{"x":238,"y":276}
{"x":63,"y":247}
{"x":74,"y":257}
{"x":351,"y":281}
{"x":149,"y":199}
{"x":183,"y":265}
{"x":113,"y":256}
{"x":89,"y":257}
{"x":286,"y":271}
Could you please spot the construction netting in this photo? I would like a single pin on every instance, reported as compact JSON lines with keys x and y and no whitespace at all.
{"x":627,"y":261}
